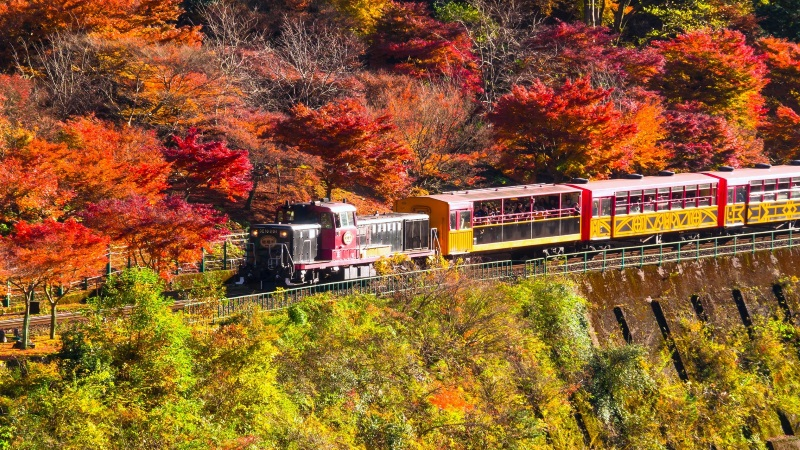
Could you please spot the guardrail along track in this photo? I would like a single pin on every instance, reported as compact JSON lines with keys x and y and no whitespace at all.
{"x":581,"y":262}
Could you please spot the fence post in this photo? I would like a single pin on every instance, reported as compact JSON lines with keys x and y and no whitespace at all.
{"x":623,"y":258}
{"x":225,"y":255}
{"x":203,"y":261}
{"x":7,"y":301}
{"x":108,"y":264}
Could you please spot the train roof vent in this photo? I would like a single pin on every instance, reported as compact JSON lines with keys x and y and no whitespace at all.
{"x":763,"y":166}
{"x":665,"y":173}
{"x":633,"y":176}
{"x":579,"y":181}
{"x":726,"y":169}
{"x":794,"y":162}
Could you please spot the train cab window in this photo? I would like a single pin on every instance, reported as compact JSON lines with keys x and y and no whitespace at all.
{"x":677,"y":198}
{"x":326,"y":221}
{"x":344,"y":219}
{"x":453,"y":220}
{"x":621,"y":203}
{"x":465,"y":221}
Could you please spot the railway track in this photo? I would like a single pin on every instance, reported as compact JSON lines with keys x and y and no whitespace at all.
{"x":41,"y":321}
{"x":589,"y":261}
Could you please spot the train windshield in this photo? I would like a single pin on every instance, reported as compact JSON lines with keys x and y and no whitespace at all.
{"x":296,"y":214}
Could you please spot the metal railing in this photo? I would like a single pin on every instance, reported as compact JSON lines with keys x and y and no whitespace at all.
{"x":581,"y":262}
{"x":228,"y":254}
{"x":413,"y":281}
{"x":657,"y":254}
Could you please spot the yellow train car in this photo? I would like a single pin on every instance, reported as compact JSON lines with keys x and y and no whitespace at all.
{"x":759,"y":196}
{"x":639,"y":206}
{"x":500,"y":219}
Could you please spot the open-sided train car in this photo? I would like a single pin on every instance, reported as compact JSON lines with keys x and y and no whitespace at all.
{"x":500,"y":219}
{"x":637,"y":206}
{"x":760,"y":196}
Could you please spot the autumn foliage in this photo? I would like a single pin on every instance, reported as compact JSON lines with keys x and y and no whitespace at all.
{"x":716,"y":71}
{"x":352,"y":147}
{"x":209,"y":166}
{"x":572,"y":130}
{"x":409,"y":41}
{"x":157,"y":235}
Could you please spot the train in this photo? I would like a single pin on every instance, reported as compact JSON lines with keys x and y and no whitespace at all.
{"x":323,"y":240}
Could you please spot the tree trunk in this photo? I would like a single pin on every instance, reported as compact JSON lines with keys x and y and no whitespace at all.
{"x":328,"y":191}
{"x":26,"y":320}
{"x":53,"y":320}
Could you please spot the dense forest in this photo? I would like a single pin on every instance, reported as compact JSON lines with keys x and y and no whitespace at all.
{"x":462,"y":365}
{"x":158,"y":126}
{"x":151,"y":123}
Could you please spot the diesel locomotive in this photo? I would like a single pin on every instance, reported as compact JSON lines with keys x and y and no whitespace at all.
{"x":327,"y":240}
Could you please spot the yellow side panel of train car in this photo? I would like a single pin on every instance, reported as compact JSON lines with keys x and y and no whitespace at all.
{"x":459,"y":241}
{"x":734,"y":214}
{"x":600,"y":228}
{"x":451,"y":242}
{"x":777,"y":211}
{"x":666,"y":221}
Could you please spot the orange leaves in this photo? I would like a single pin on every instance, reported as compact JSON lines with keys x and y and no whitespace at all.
{"x":783,"y":60}
{"x":450,"y":399}
{"x":439,"y":125}
{"x":782,"y":135}
{"x":51,"y":253}
{"x":546,"y":133}
{"x":717,"y":71}
{"x":351,"y":147}
{"x":102,"y":161}
{"x":158,"y":234}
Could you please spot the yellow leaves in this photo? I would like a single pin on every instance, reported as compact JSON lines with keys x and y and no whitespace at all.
{"x":364,"y":14}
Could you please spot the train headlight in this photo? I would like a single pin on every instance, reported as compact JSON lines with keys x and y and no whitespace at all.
{"x":283,"y":234}
{"x":254,"y":233}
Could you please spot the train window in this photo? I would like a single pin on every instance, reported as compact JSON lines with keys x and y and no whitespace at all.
{"x":677,"y":198}
{"x":756,"y":186}
{"x":636,"y":201}
{"x":325,"y":221}
{"x":705,"y":195}
{"x":795,"y":185}
{"x":690,"y":196}
{"x":621,"y":203}
{"x":344,"y":219}
{"x":601,"y":207}
{"x":769,"y":190}
{"x":649,"y":200}
{"x":453,"y":220}
{"x":465,"y":223}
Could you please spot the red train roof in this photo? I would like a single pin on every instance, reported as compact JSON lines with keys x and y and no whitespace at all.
{"x":744,"y":176}
{"x":606,"y":188}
